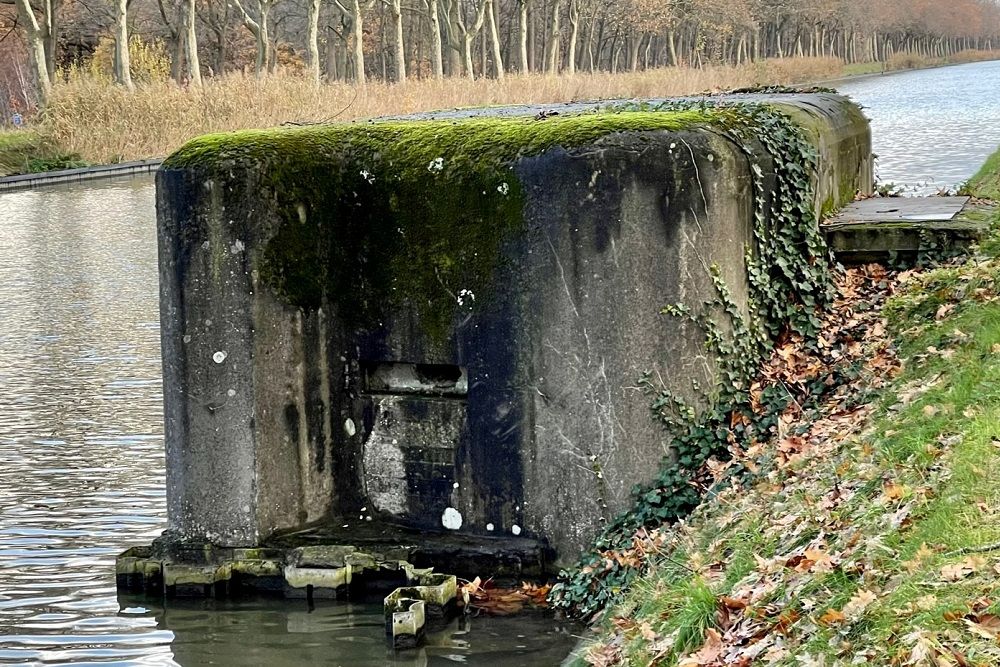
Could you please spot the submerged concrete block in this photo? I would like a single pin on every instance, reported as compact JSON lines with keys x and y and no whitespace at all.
{"x":440,"y":324}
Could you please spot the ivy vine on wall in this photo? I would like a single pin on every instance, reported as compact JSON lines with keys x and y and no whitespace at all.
{"x":789,"y":269}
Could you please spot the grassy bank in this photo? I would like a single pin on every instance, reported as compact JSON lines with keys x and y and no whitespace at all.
{"x":907,"y":61}
{"x":26,"y":152}
{"x":869,"y":532}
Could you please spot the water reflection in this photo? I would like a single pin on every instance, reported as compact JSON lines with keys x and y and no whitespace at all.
{"x":289,"y":633}
{"x":932,"y":129}
{"x":81,"y":455}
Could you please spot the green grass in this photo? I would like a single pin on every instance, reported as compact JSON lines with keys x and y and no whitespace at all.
{"x":860,"y":69}
{"x":27,"y":152}
{"x":914,"y":496}
{"x":986,"y":182}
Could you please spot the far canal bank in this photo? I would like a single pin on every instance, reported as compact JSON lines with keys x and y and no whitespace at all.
{"x":29,"y":158}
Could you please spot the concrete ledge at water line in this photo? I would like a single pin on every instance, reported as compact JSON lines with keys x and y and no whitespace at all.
{"x":27,"y":181}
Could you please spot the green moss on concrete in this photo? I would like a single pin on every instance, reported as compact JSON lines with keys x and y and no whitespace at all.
{"x":377,"y":215}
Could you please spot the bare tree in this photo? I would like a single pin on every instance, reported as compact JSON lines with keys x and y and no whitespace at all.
{"x":522,"y":34}
{"x":191,"y":44}
{"x":495,"y":40}
{"x":37,"y":35}
{"x":356,"y":12}
{"x":469,"y":34}
{"x":396,"y":7}
{"x":555,"y":39}
{"x":259,"y":28}
{"x":437,"y":47}
{"x":312,"y":39}
{"x":123,"y":63}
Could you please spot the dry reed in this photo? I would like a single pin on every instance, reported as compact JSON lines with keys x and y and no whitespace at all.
{"x":105,"y":123}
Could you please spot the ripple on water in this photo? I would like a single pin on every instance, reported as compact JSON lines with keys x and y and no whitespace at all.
{"x":81,"y":455}
{"x":931,"y":129}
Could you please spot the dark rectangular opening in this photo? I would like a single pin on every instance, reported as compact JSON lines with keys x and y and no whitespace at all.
{"x":401,"y":378}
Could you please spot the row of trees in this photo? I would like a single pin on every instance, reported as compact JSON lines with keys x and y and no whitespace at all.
{"x":395,"y":39}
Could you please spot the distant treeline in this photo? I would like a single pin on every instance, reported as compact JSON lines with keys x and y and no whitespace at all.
{"x":355,"y":40}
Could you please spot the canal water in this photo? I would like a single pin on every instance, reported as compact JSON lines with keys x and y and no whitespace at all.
{"x":81,"y":450}
{"x":931,"y":129}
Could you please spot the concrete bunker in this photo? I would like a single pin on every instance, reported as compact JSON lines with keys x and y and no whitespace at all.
{"x":426,"y":334}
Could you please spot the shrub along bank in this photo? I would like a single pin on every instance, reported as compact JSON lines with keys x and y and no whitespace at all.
{"x":865,"y":528}
{"x":26,"y":152}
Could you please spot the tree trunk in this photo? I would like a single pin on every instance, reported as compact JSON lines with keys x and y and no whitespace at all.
{"x":437,"y":57}
{"x":635,"y":42}
{"x":265,"y":34}
{"x":590,"y":43}
{"x":574,"y":33}
{"x":332,"y":71}
{"x":399,"y":47}
{"x":123,"y":64}
{"x":522,"y":34}
{"x":359,"y":44}
{"x":51,"y":33}
{"x":312,"y":40}
{"x":495,"y":39}
{"x":36,"y":47}
{"x":469,"y":35}
{"x":555,"y":46}
{"x":191,"y":44}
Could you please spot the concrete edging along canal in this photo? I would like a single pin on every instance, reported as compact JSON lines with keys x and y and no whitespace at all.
{"x":24,"y":181}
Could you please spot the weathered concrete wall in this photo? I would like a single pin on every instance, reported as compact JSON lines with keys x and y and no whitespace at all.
{"x":441,"y":324}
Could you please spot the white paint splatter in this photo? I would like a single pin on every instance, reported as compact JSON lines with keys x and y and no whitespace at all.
{"x":237,"y":247}
{"x":503,"y":189}
{"x":465,"y":296}
{"x":436,"y":165}
{"x":219,"y":356}
{"x":489,"y":527}
{"x":231,"y":393}
{"x":451,"y":519}
{"x":455,"y":485}
{"x":516,"y":529}
{"x":349,"y":428}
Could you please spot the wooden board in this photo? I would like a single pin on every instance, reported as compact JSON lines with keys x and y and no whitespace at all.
{"x":898,"y":209}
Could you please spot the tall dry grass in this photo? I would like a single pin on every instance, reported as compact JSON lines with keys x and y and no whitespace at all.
{"x":105,"y":123}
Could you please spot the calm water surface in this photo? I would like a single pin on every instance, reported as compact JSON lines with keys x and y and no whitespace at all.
{"x":931,"y":129}
{"x":81,"y":451}
{"x":82,"y":478}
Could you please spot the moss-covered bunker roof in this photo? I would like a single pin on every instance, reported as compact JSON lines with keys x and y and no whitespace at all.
{"x":417,"y":142}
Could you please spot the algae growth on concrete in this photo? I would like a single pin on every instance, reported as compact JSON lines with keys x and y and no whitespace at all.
{"x":438,"y":325}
